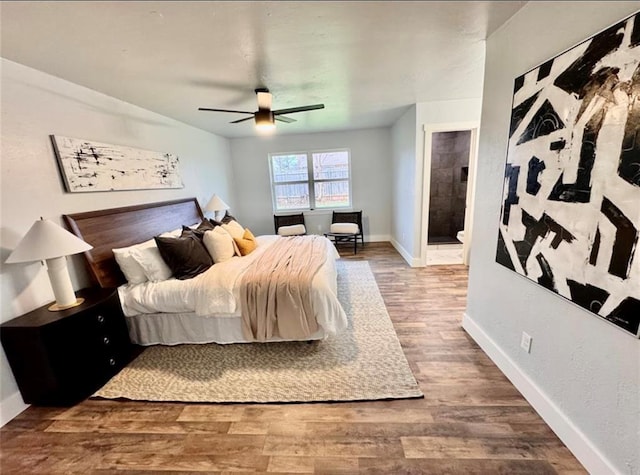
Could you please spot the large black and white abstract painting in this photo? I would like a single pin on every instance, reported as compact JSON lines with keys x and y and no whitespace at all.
{"x":92,"y":166}
{"x":571,"y":201}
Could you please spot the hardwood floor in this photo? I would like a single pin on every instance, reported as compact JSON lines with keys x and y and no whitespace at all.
{"x":471,"y":421}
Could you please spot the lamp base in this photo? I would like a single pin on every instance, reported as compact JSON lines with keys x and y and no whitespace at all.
{"x":56,"y":308}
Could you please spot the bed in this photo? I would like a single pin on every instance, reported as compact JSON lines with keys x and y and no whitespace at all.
{"x":173,"y":311}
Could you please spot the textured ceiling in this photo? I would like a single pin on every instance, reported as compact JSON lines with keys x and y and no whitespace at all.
{"x":366,"y":61}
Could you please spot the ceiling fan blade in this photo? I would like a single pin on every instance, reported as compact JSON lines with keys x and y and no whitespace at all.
{"x":223,"y":110}
{"x":298,"y":109}
{"x":264,"y":99}
{"x":280,"y":118}
{"x":241,"y":120}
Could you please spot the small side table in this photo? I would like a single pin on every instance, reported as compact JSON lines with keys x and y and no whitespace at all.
{"x":61,"y":358}
{"x":344,"y":237}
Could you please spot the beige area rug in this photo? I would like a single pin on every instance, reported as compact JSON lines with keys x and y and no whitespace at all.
{"x":365,"y":362}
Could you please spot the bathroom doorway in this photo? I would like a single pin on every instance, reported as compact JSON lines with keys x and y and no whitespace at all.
{"x":448,"y":192}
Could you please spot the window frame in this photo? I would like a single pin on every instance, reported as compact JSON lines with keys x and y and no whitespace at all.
{"x":310,"y":181}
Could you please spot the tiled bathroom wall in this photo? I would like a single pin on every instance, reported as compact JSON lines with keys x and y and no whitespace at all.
{"x":449,"y":171}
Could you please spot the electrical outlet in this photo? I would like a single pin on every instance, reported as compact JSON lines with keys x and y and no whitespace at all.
{"x":319,"y":227}
{"x":525,"y":342}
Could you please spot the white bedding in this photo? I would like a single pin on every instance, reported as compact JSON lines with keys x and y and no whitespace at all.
{"x":215,"y":294}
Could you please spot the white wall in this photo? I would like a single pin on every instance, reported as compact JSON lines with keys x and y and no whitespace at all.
{"x":35,"y":105}
{"x":408,"y":167}
{"x":403,"y":134}
{"x":583,"y":374}
{"x":370,"y":182}
{"x":434,"y":114}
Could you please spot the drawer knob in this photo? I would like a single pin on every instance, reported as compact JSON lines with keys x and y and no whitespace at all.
{"x":112,"y":362}
{"x":100,"y":319}
{"x":106,"y":340}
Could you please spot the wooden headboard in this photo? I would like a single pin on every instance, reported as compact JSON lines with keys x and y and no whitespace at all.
{"x":121,"y":227}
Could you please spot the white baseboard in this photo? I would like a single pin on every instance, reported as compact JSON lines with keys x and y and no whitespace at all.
{"x":412,"y":261}
{"x":377,"y":238}
{"x":577,"y":442}
{"x":11,"y":407}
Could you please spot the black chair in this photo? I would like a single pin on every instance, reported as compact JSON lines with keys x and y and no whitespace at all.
{"x":353,"y":217}
{"x":288,"y":220}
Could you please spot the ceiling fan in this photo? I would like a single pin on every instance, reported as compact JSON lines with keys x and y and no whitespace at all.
{"x":265,"y":117}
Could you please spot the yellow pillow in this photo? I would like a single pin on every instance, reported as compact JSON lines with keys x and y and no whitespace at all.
{"x":247,"y":243}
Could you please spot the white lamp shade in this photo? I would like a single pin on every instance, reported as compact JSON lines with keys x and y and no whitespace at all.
{"x":47,"y":240}
{"x":216,"y":204}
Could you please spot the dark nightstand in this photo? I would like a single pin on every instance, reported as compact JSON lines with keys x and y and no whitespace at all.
{"x":61,"y":358}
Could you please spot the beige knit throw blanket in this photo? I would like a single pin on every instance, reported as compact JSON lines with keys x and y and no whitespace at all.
{"x":275,"y":291}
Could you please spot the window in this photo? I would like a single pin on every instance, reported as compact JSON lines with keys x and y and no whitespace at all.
{"x":310,"y":180}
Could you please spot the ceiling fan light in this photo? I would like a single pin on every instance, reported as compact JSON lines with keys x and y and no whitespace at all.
{"x":265,"y":121}
{"x":266,"y":127}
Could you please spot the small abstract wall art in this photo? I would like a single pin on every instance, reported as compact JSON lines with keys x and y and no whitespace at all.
{"x":571,"y":201}
{"x":93,"y":166}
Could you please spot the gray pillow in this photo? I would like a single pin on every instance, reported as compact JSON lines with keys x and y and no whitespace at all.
{"x":227,"y":218}
{"x":186,"y":256}
{"x":202,"y":228}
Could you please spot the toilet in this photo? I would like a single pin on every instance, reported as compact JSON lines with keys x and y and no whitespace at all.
{"x":460,"y":236}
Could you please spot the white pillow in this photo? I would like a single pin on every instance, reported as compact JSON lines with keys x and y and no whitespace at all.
{"x":234,"y":228}
{"x":292,"y":230}
{"x":219,"y":244}
{"x":344,"y":228}
{"x":149,"y":258}
{"x":133,"y":272}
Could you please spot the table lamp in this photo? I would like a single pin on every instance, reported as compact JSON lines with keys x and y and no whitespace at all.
{"x":216,"y":205}
{"x":49,"y":242}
